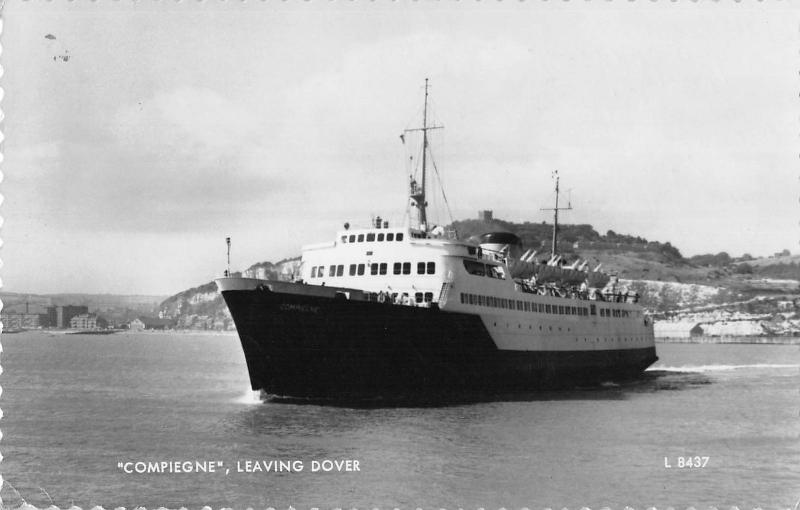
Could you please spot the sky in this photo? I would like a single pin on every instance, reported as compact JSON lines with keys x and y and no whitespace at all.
{"x":173,"y":125}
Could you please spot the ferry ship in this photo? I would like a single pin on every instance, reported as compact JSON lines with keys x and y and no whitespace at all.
{"x":412,"y":311}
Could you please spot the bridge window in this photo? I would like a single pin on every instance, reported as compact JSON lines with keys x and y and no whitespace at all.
{"x":314,"y":272}
{"x":370,"y":238}
{"x":593,"y":309}
{"x":352,"y":238}
{"x":352,"y":269}
{"x":399,"y":236}
{"x":431,"y":267}
{"x":360,"y":269}
{"x":463,"y":298}
{"x":383,"y":268}
{"x":428,"y":297}
{"x":339,"y":270}
{"x":420,"y":267}
{"x":360,"y":238}
{"x":344,"y":239}
{"x":390,"y":236}
{"x":475,"y":268}
{"x":527,"y":306}
{"x":406,"y":267}
{"x":418,"y":297}
{"x":373,"y":268}
{"x":380,"y":237}
{"x":397,"y":267}
{"x":567,"y":310}
{"x":519,"y":305}
{"x":547,"y":308}
{"x":332,"y":271}
{"x":321,"y":271}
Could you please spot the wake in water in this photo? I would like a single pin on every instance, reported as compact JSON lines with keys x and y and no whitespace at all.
{"x":718,"y":368}
{"x":249,"y":397}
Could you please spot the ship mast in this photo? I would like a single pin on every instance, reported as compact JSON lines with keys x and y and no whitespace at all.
{"x":555,"y":216}
{"x":417,"y":192}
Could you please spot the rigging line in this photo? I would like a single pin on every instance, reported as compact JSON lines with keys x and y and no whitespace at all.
{"x":441,"y":187}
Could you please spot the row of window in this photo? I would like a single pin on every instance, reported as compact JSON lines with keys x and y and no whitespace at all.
{"x":527,"y":306}
{"x":372,"y":237}
{"x":606,"y":312}
{"x":374,"y":269}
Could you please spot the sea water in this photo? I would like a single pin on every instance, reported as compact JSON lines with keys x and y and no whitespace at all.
{"x":169,"y":420}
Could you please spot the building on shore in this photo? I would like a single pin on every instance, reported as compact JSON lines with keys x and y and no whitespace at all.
{"x":136,"y":324}
{"x":20,"y":320}
{"x":734,"y":328}
{"x":142,"y":323}
{"x":60,"y":316}
{"x":87,"y":321}
{"x":677,"y":329}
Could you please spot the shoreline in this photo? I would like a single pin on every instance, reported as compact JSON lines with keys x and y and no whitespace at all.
{"x":125,"y":332}
{"x":765,"y":340}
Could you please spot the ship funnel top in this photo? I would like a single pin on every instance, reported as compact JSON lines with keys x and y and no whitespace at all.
{"x":501,"y":242}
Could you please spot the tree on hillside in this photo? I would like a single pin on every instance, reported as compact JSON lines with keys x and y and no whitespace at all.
{"x":721,"y":259}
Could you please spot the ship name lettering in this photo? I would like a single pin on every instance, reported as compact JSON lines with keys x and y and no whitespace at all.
{"x":300,"y":308}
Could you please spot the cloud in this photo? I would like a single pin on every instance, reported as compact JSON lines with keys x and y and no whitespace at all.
{"x":191,"y":122}
{"x":175,"y":161}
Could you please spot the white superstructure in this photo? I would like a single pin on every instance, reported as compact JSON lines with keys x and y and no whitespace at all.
{"x":407,"y":267}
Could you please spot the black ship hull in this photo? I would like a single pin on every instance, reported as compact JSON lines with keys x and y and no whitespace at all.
{"x":318,"y":347}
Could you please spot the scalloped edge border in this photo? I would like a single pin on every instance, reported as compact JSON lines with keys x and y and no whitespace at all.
{"x":26,"y":506}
